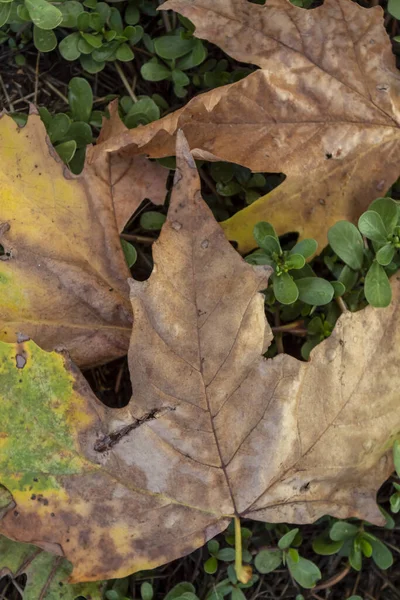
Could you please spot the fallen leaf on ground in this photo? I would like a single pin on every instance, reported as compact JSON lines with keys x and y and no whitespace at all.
{"x":323,"y":109}
{"x":133,"y":178}
{"x":213,"y":429}
{"x":46,"y":574}
{"x":63,"y":277}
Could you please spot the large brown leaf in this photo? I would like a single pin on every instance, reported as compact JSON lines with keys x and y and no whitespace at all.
{"x":213,"y":429}
{"x":132,"y":178}
{"x":323,"y":109}
{"x":63,"y":278}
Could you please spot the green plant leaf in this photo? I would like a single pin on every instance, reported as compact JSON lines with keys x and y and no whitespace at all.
{"x":348,"y":277}
{"x":94,"y":41}
{"x":124,"y":53}
{"x":70,"y":11}
{"x":213,"y":547}
{"x":58,"y":127}
{"x":90,"y":64}
{"x":315,"y":290}
{"x":306,"y":248}
{"x":396,"y":456}
{"x":211,"y":565}
{"x":267,"y":561}
{"x":237,"y":594}
{"x":377,"y":286}
{"x":66,"y":150}
{"x":81,"y":132}
{"x":80,"y":97}
{"x":343,"y":531}
{"x":226,"y":554}
{"x":266,"y":238}
{"x":179,"y":589}
{"x":5,"y":10}
{"x":394,"y":8}
{"x":305,"y":572}
{"x":132,"y":14}
{"x":346,"y":241}
{"x":285,"y":289}
{"x":129,"y":253}
{"x":339,"y":288}
{"x":152,"y":220}
{"x":146,"y":591}
{"x":381,"y":555}
{"x":180,"y":78}
{"x":44,"y":40}
{"x":44,"y":14}
{"x":154,"y":71}
{"x":144,"y":111}
{"x":388,"y":211}
{"x":371,"y":225}
{"x":355,"y":557}
{"x":325,"y":546}
{"x":287,"y":539}
{"x":385,"y":255}
{"x":68,"y":47}
{"x":173,"y":46}
{"x":194,"y":58}
{"x":295,"y":261}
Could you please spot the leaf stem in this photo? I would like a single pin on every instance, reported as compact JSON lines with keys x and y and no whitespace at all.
{"x":243,"y":573}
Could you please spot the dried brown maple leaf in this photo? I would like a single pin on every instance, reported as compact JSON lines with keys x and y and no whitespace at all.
{"x":212,"y":430}
{"x":63,"y":276}
{"x":323,"y":108}
{"x":133,"y":178}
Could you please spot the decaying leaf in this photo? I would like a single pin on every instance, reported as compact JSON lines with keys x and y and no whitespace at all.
{"x":63,"y":275}
{"x":323,"y":109}
{"x":133,"y":178}
{"x":213,"y":429}
{"x":47,"y":575}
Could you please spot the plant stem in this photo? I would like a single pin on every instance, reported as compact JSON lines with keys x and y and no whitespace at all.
{"x":342,"y":305}
{"x":125,"y":82}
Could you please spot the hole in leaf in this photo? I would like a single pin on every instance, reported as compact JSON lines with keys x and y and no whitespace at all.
{"x":111,"y":383}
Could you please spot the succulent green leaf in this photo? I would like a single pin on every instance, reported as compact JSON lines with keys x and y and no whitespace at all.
{"x":315,"y":290}
{"x":44,"y":14}
{"x":287,"y":539}
{"x":66,"y":150}
{"x":388,"y":210}
{"x":80,"y":97}
{"x":266,"y":238}
{"x":68,"y":46}
{"x":371,"y":225}
{"x":385,"y":255}
{"x":306,"y":248}
{"x":295,"y":261}
{"x":285,"y":289}
{"x":152,"y":220}
{"x":305,"y":572}
{"x":377,"y":286}
{"x":154,"y":71}
{"x":173,"y":46}
{"x":325,"y":546}
{"x":70,"y":12}
{"x":267,"y":561}
{"x":44,"y":40}
{"x":346,"y":241}
{"x":343,"y":531}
